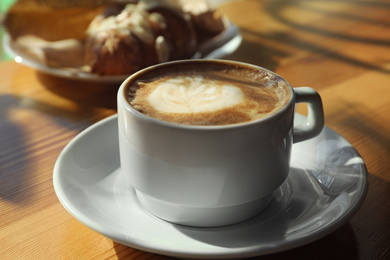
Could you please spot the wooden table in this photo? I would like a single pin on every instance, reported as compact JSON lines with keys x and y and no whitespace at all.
{"x":340,"y":48}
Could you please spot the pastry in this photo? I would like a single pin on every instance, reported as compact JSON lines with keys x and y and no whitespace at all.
{"x":124,"y":39}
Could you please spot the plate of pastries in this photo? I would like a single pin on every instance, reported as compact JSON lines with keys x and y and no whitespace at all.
{"x":108,"y":40}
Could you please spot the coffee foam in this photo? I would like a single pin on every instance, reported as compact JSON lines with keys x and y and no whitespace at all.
{"x":193,"y":94}
{"x":209,"y":97}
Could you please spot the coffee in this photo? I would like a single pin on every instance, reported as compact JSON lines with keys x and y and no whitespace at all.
{"x":214,"y":94}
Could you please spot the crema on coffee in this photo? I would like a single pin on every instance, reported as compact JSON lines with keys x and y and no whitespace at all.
{"x":208,"y":95}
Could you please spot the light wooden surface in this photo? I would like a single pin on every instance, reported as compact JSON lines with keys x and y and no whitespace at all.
{"x":340,"y":48}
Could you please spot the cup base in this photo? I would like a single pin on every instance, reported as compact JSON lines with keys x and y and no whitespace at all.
{"x":203,"y":217}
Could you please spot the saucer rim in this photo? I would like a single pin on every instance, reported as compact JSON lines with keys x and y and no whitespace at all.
{"x":189,"y":253}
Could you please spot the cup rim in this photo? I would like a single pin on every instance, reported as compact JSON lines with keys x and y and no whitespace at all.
{"x":122,"y":101}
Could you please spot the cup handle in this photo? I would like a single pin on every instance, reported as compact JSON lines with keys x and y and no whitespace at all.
{"x":315,"y":120}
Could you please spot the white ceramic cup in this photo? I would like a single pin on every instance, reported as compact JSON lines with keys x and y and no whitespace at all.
{"x":210,"y":175}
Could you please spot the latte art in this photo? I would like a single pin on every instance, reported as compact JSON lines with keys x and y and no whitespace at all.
{"x":194,"y":94}
{"x":208,"y":95}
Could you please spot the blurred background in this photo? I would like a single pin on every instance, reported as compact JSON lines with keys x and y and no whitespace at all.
{"x":4,"y":5}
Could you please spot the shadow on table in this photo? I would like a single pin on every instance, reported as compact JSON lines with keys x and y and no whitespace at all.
{"x":267,"y":49}
{"x":17,"y":151}
{"x":16,"y":157}
{"x":264,"y":56}
{"x":14,"y":161}
{"x":347,"y":15}
{"x":86,"y":94}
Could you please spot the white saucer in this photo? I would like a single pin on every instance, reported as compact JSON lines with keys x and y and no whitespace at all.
{"x":88,"y":182}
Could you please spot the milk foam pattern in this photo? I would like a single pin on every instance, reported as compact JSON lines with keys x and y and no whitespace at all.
{"x":194,"y":94}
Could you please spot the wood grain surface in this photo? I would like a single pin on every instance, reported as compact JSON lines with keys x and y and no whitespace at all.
{"x":340,"y":48}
